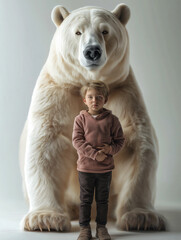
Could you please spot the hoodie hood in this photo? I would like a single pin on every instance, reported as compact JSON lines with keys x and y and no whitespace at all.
{"x":99,"y":116}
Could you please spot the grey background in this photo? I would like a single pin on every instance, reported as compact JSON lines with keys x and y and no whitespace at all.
{"x":26,"y":31}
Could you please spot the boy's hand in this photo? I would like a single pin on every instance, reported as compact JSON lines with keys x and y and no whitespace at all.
{"x":106,"y":148}
{"x":100,"y":156}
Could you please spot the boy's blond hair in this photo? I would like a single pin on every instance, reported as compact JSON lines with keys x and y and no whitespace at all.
{"x":100,"y":86}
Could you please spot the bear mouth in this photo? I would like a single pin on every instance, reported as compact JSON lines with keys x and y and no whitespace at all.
{"x":92,"y":66}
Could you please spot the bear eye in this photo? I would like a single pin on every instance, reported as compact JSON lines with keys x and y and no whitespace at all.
{"x":78,"y":33}
{"x":105,"y":32}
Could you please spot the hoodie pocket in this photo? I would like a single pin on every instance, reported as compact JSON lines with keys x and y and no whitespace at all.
{"x":107,"y":161}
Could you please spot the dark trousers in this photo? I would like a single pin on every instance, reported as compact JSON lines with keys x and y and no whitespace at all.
{"x":100,"y":182}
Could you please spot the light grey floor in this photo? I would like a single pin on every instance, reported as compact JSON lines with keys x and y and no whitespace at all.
{"x":12,"y":212}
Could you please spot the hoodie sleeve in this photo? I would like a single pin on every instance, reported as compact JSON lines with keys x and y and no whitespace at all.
{"x":117,"y":137}
{"x":79,"y":142}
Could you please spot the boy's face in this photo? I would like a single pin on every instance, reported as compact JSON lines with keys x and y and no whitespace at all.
{"x":94,"y":101}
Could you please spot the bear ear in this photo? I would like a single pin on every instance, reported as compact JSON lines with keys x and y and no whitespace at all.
{"x":122,"y":12}
{"x":59,"y":13}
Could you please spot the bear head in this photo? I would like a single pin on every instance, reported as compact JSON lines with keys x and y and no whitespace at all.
{"x":92,"y":37}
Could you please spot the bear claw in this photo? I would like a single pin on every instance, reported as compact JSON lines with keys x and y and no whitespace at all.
{"x":46,"y":220}
{"x":142,"y":220}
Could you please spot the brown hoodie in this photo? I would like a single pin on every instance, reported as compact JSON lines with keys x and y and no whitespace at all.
{"x":90,"y":133}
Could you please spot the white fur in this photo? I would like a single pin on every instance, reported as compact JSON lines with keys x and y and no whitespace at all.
{"x":48,"y":160}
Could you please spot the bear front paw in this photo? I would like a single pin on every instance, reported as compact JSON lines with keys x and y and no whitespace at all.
{"x":46,"y":220}
{"x":142,"y":220}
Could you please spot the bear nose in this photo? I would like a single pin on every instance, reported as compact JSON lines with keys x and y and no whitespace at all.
{"x":92,"y":53}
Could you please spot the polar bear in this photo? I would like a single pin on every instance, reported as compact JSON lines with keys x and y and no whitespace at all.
{"x":89,"y":44}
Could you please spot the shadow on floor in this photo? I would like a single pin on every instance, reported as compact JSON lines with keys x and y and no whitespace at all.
{"x":172,"y":216}
{"x":173,"y":219}
{"x":75,"y":228}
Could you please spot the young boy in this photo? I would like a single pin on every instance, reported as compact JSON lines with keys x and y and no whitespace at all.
{"x":97,"y":136}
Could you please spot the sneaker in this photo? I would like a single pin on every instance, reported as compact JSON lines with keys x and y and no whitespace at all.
{"x":102,"y":233}
{"x":85,"y":233}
